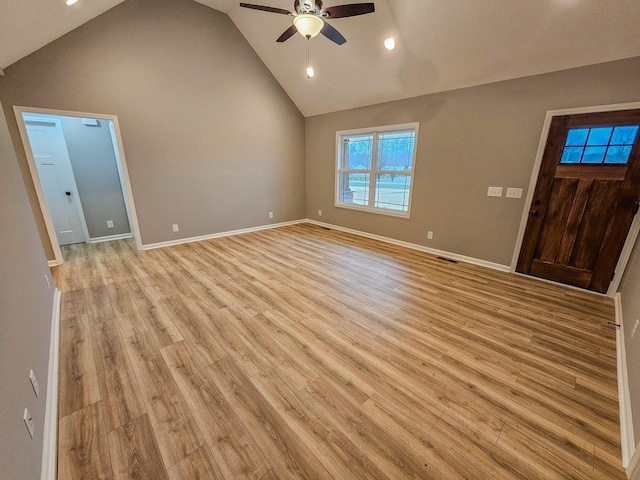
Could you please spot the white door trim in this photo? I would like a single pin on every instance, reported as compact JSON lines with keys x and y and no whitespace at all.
{"x":127,"y":191}
{"x":116,"y":149}
{"x":634,"y":230}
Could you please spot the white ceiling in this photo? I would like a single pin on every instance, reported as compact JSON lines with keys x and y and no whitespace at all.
{"x":442,"y":44}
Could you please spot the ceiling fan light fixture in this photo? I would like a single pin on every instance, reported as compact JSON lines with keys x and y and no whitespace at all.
{"x":308,"y":25}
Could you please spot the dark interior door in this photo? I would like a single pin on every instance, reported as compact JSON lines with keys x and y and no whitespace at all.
{"x":585,"y":199}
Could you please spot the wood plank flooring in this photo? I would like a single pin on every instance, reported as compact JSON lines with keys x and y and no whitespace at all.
{"x":302,"y":352}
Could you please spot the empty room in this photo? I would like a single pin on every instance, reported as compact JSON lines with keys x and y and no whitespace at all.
{"x":319,"y":239}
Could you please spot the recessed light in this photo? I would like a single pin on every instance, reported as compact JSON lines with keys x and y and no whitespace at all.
{"x":389,"y":43}
{"x":70,"y":2}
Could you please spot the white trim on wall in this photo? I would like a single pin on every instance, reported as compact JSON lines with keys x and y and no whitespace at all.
{"x":229,"y":233}
{"x":116,"y":150}
{"x":133,"y":216}
{"x":128,"y":193}
{"x":633,"y":470}
{"x":51,"y":231}
{"x":625,"y":255}
{"x":635,"y":227}
{"x":415,"y":246}
{"x":110,"y":238}
{"x":627,"y":441}
{"x":50,"y":434}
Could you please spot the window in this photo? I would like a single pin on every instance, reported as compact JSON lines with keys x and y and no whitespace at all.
{"x":599,"y":145}
{"x":375,"y":168}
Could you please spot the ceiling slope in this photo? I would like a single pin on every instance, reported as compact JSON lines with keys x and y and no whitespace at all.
{"x":441,"y":45}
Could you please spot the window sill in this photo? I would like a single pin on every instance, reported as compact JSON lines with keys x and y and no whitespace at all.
{"x":379,"y":211}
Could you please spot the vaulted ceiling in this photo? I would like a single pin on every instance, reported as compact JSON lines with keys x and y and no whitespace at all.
{"x":441,"y":45}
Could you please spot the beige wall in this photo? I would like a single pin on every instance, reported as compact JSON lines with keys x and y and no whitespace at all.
{"x":469,"y":140}
{"x":25,"y":322}
{"x":211,"y":140}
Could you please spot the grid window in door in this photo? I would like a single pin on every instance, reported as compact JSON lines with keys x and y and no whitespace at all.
{"x":599,"y":145}
{"x":375,"y":168}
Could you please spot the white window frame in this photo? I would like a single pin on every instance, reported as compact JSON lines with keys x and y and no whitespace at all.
{"x":375,"y":132}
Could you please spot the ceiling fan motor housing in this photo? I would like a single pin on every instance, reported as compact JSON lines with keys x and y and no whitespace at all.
{"x":308,"y":6}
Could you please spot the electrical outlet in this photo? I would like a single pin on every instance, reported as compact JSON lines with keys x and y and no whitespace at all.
{"x":176,"y":228}
{"x":270,"y":214}
{"x":319,"y":213}
{"x":494,"y":192}
{"x":429,"y":235}
{"x":34,"y":382}
{"x":109,"y":223}
{"x":514,"y":193}
{"x":635,"y":327}
{"x":28,"y":421}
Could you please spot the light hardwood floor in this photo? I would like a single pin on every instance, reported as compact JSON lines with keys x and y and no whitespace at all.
{"x":301,"y":352}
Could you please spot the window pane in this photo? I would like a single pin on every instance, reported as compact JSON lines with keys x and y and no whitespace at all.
{"x":355,"y":188}
{"x":572,"y":155}
{"x":392,"y":192}
{"x":577,"y":137}
{"x":594,"y":154}
{"x":358,"y":152}
{"x":624,"y":135}
{"x":599,"y":136}
{"x":618,"y":154}
{"x":395,"y":150}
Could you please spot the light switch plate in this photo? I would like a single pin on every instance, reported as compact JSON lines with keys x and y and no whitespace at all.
{"x":34,"y":382}
{"x":494,"y":192}
{"x":514,"y":193}
{"x":28,"y":421}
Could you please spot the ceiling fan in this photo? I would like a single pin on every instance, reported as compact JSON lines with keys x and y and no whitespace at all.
{"x":310,"y":18}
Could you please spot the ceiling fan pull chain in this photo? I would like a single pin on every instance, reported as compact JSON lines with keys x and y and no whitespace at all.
{"x":309,"y":70}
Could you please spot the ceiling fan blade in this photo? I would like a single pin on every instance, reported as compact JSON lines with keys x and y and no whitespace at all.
{"x":351,"y":10}
{"x":332,"y":34}
{"x":281,"y":11}
{"x":288,"y":33}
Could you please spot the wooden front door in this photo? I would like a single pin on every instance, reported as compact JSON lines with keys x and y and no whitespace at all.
{"x":585,"y":199}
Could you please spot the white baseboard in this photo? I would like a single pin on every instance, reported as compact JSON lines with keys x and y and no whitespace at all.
{"x":181,"y":241}
{"x":633,"y":470}
{"x":627,"y":441}
{"x":415,"y":246}
{"x":110,"y":238}
{"x":49,"y":442}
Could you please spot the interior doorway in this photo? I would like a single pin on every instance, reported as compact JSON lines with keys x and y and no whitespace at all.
{"x":581,"y":220}
{"x":80,"y":176}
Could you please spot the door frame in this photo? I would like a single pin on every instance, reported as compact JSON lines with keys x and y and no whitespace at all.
{"x":634,"y":230}
{"x":120,"y":161}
